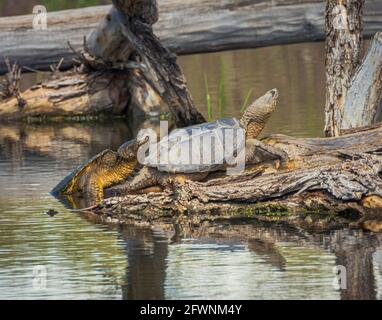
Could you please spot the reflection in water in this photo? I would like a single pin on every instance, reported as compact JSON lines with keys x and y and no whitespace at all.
{"x":269,"y":251}
{"x":32,"y":160}
{"x":146,"y":271}
{"x":302,"y":268}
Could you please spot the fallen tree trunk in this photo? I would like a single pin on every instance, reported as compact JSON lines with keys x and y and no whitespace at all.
{"x":325,"y":183}
{"x":66,"y":97}
{"x":200,"y":26}
{"x":73,"y":95}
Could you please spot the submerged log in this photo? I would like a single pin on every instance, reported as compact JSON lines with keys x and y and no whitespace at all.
{"x":325,"y":183}
{"x":199,"y":26}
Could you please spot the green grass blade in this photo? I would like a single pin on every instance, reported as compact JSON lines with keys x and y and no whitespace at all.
{"x":221,"y":89}
{"x":245,"y":103}
{"x":208,"y":98}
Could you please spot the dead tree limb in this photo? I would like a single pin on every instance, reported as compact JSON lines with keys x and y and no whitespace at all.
{"x":11,"y":84}
{"x":121,"y":37}
{"x":363,"y":102}
{"x":343,"y":26}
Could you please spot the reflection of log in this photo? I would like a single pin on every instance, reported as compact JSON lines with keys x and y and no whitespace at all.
{"x":340,"y":175}
{"x":352,"y":249}
{"x":146,"y":270}
{"x":123,"y":63}
{"x":200,"y":26}
{"x":355,"y":253}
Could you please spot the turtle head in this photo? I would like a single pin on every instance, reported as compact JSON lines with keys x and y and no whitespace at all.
{"x":130,"y":148}
{"x":257,"y":114}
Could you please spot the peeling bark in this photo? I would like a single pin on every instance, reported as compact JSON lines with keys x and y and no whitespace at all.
{"x":363,"y":104}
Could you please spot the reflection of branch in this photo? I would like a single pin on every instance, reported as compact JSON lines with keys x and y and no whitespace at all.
{"x":11,"y":85}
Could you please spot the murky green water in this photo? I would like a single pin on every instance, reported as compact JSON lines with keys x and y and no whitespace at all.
{"x":67,"y":256}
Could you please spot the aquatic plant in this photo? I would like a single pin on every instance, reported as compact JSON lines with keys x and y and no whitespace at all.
{"x":208,"y":98}
{"x":221,"y":95}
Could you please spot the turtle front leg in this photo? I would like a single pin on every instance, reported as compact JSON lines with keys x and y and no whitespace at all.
{"x":146,"y":178}
{"x":258,"y":152}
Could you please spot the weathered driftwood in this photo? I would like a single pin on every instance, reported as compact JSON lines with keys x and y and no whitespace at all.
{"x":120,"y":37}
{"x":198,"y":26}
{"x":325,"y":183}
{"x":362,"y":105}
{"x":123,"y":66}
{"x":73,"y":95}
{"x":343,"y":26}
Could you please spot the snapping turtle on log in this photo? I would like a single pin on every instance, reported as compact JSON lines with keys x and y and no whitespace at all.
{"x":325,"y":183}
{"x":319,"y":182}
{"x":109,"y":168}
{"x":200,"y":142}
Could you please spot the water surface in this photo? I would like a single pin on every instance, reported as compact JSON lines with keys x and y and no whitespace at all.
{"x":68,"y":256}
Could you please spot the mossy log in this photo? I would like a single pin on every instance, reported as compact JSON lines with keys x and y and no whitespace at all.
{"x":325,"y":183}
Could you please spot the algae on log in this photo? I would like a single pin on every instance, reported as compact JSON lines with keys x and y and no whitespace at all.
{"x":325,"y":177}
{"x":123,"y":66}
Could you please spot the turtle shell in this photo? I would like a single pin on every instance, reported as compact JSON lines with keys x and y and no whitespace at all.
{"x":199,"y":148}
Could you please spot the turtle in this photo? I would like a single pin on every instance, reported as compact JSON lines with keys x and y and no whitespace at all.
{"x":109,"y":168}
{"x":102,"y":171}
{"x":162,"y":174}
